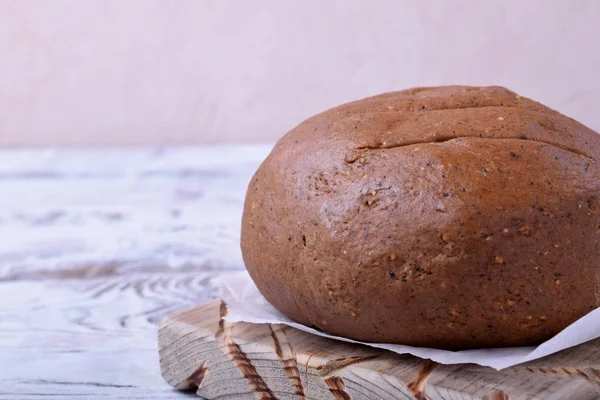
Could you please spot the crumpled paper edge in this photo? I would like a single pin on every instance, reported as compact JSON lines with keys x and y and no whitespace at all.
{"x":246,"y":304}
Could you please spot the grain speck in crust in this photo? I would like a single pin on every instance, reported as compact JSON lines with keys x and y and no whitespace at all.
{"x":356,"y":229}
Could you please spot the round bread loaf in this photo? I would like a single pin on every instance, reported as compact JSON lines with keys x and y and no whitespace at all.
{"x":448,"y":217}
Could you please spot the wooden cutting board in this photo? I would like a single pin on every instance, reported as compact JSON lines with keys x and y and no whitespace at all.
{"x":201,"y":352}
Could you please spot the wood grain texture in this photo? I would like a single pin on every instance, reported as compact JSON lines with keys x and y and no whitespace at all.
{"x":200,"y":351}
{"x":78,"y":214}
{"x":97,"y":246}
{"x":90,"y":338}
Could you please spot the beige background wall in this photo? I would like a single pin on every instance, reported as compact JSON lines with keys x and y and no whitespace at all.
{"x":158,"y":71}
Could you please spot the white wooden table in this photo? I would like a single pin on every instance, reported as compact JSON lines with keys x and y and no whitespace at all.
{"x":95,"y":247}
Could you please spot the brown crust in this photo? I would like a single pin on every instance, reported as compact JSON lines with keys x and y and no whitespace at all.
{"x":451,"y":217}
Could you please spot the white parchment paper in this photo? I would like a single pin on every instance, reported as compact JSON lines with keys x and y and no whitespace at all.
{"x":246,"y":304}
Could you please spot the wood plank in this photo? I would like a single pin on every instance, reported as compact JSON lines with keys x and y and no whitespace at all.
{"x":200,"y":351}
{"x":90,"y":338}
{"x":42,"y":373}
{"x":97,"y":245}
{"x":91,"y":213}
